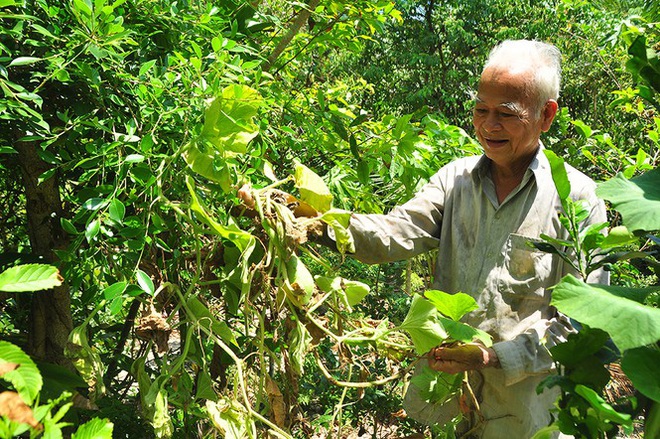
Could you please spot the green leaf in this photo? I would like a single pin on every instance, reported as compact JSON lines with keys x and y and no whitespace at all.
{"x":243,"y":240}
{"x":629,"y":323}
{"x":26,"y":379}
{"x":339,"y":221}
{"x":201,"y":314}
{"x":638,"y":199}
{"x":313,"y":189}
{"x":92,"y":230}
{"x":436,"y":387}
{"x":23,"y":61}
{"x":641,"y":366}
{"x":423,"y":325}
{"x":465,"y":333}
{"x":68,"y":226}
{"x":604,"y":410}
{"x":454,"y":306}
{"x":30,"y":277}
{"x":228,"y":122}
{"x":114,"y":290}
{"x":579,"y":346}
{"x":145,"y":282}
{"x":559,"y":175}
{"x":617,"y":237}
{"x":355,"y":291}
{"x":117,"y":210}
{"x":134,"y":158}
{"x":210,"y":165}
{"x":96,"y":428}
{"x":205,"y":386}
{"x":86,"y":359}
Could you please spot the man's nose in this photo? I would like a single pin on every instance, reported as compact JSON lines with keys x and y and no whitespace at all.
{"x":492,"y":123}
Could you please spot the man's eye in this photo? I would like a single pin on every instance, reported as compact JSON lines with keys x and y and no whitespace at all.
{"x":479,"y":111}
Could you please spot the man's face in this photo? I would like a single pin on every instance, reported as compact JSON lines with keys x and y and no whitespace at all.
{"x":506,"y":118}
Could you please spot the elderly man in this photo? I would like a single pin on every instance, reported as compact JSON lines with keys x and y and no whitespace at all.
{"x":479,"y":212}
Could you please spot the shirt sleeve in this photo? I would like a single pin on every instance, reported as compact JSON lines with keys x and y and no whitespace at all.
{"x":408,"y":230}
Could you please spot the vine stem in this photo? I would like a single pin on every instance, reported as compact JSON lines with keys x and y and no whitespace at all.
{"x":353,"y":384}
{"x":277,"y":431}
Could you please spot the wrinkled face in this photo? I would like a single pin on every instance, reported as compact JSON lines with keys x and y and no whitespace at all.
{"x":506,"y":117}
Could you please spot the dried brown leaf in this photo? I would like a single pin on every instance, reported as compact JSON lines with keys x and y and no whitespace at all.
{"x":13,"y":407}
{"x":8,"y":367}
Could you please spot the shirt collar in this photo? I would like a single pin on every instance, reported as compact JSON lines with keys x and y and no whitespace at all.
{"x":538,"y":166}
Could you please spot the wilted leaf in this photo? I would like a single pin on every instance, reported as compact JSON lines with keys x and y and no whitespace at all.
{"x":202,"y":315}
{"x":30,"y":277}
{"x":355,"y":291}
{"x":313,"y":189}
{"x":228,"y":122}
{"x":14,"y":408}
{"x":423,"y":325}
{"x":629,"y":323}
{"x":230,"y":418}
{"x":86,"y":359}
{"x":276,"y":401}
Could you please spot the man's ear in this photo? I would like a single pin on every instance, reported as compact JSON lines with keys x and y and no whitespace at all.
{"x":548,"y":114}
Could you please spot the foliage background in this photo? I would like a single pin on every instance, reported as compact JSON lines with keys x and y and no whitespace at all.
{"x":106,"y":103}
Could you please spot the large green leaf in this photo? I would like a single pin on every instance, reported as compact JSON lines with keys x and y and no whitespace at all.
{"x":26,"y":379}
{"x":604,"y":410}
{"x":96,"y":428}
{"x":454,"y":306}
{"x":437,"y":387}
{"x":423,"y":325}
{"x":465,"y":333}
{"x":228,"y":122}
{"x":637,"y":199}
{"x":641,"y":366}
{"x":629,"y":323}
{"x":30,"y":277}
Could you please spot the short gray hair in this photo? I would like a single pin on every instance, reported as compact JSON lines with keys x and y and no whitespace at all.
{"x":544,"y":58}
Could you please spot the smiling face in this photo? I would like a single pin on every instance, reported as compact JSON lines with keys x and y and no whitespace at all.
{"x":506,"y":118}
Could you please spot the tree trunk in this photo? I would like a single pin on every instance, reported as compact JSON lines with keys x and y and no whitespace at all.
{"x":50,"y":313}
{"x":301,"y":19}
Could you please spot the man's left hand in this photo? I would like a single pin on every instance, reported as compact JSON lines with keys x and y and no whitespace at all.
{"x":455,"y":359}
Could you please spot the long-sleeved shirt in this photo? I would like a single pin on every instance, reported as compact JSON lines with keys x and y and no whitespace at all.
{"x":483,"y":251}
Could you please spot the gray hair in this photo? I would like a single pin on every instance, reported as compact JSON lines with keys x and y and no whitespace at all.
{"x":543,"y":58}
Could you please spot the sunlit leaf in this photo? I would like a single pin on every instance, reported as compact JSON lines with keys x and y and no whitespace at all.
{"x":145,"y":282}
{"x":638,"y":199}
{"x":313,"y":189}
{"x":423,"y":325}
{"x":355,"y":291}
{"x":26,"y":379}
{"x":618,"y":236}
{"x":117,"y":210}
{"x":629,"y":323}
{"x":604,"y":410}
{"x":230,"y":418}
{"x":454,"y":306}
{"x":30,"y":277}
{"x":228,"y":122}
{"x":559,"y":175}
{"x":464,"y":333}
{"x":114,"y":290}
{"x":201,"y":314}
{"x":96,"y":428}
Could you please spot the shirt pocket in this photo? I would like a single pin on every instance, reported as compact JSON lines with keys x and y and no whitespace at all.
{"x":527,"y":271}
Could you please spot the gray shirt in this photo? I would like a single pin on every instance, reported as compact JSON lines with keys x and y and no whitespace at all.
{"x":482,"y":251}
